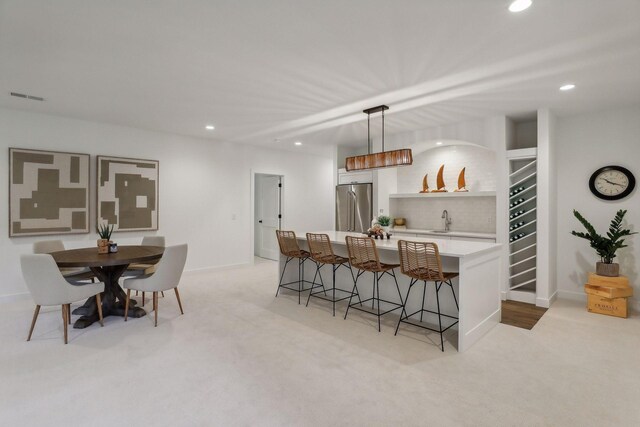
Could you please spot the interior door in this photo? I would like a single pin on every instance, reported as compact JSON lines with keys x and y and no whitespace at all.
{"x":268,"y":215}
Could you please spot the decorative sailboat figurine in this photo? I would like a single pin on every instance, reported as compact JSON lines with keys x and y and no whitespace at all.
{"x":425,"y":184}
{"x":462,"y":185}
{"x":440,"y":182}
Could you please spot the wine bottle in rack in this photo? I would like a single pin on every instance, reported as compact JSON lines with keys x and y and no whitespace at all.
{"x":516,"y":191}
{"x":517,"y":214}
{"x":516,"y":226}
{"x":516,"y":203}
{"x":517,"y":237}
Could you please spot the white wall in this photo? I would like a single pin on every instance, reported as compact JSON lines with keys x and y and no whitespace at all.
{"x":202,"y":185}
{"x":480,"y":173}
{"x":585,"y":143}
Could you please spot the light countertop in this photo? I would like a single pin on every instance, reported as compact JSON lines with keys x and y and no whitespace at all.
{"x":452,"y":248}
{"x":449,"y":233}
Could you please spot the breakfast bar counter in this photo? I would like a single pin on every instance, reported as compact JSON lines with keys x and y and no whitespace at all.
{"x":477,"y":286}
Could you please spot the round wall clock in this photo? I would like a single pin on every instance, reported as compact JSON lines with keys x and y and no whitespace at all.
{"x":612,"y":183}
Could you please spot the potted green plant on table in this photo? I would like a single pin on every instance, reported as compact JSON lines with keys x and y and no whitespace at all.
{"x":605,"y":246}
{"x":385,"y":222}
{"x":104,"y":231}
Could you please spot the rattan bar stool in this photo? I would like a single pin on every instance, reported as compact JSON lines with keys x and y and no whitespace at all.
{"x":421,"y":261}
{"x":363,"y":255}
{"x":322,"y":253}
{"x":290,"y":249}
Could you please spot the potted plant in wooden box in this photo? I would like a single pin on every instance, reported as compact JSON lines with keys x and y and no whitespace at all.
{"x":605,"y":247}
{"x":104,"y":231}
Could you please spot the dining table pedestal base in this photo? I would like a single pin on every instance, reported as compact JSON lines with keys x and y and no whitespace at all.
{"x":113,"y":298}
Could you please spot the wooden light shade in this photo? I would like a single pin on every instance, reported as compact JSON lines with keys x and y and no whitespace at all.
{"x":383,"y":159}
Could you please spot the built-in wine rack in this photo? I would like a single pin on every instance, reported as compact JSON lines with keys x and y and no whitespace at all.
{"x":522,"y":225}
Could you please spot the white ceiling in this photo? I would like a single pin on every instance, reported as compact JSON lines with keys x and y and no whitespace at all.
{"x":262,"y":70}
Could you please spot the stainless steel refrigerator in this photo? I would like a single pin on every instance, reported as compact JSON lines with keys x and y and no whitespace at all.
{"x":354,"y":207}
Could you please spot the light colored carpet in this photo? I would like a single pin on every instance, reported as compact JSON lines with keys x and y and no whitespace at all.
{"x":241,"y":357}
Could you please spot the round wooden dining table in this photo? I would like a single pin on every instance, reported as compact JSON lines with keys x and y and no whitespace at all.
{"x":108,"y":268}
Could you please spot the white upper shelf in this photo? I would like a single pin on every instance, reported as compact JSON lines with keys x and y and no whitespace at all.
{"x":448,"y":194}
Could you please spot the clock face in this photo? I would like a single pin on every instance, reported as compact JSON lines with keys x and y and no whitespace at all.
{"x":612,"y":183}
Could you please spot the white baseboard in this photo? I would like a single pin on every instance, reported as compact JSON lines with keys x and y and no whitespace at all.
{"x":215,"y":268}
{"x":572,"y":295}
{"x":14,"y":297}
{"x":546,"y":302}
{"x":522,"y":296}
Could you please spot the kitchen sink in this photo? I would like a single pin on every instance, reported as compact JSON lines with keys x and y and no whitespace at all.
{"x":439,"y":231}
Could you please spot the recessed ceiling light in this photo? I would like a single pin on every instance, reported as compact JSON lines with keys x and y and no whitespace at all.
{"x":519,"y":5}
{"x":567,"y":86}
{"x":297,"y":143}
{"x":209,"y":127}
{"x":439,"y":143}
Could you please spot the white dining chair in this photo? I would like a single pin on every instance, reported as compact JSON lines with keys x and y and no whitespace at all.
{"x":167,"y":276}
{"x":48,"y":287}
{"x":153,"y":241}
{"x":138,"y":269}
{"x":72,"y":275}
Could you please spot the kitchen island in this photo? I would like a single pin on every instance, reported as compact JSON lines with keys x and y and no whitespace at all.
{"x":477,"y":286}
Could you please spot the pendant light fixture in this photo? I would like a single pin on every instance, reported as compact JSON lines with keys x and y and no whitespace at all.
{"x":383,"y":159}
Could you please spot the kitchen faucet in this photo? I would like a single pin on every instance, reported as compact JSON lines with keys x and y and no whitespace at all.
{"x":447,"y":220}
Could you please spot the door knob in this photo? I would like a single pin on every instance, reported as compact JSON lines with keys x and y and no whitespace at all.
{"x":260,"y":221}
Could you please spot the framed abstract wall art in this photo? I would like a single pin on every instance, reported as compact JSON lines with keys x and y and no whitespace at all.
{"x":48,"y":192}
{"x":127,"y":193}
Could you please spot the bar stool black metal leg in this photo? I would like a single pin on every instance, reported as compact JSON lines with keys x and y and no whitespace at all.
{"x":282,"y":275}
{"x":378,"y":293}
{"x":318,"y":265}
{"x":300,"y":272}
{"x":333,"y":267}
{"x":373,"y":301}
{"x":393,"y":273}
{"x":439,"y":316}
{"x":424,"y":295}
{"x":316,"y":275}
{"x":356,"y":288}
{"x":403,"y":315}
{"x":355,"y":282}
{"x":322,"y":280}
{"x":454,"y":294}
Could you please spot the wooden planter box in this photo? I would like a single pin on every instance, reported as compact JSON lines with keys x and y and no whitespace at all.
{"x":610,"y":282}
{"x":607,"y":292}
{"x":610,"y":306}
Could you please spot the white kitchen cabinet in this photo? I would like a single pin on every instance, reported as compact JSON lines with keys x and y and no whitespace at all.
{"x":345,"y":177}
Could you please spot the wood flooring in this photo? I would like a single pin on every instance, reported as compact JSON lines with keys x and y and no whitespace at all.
{"x":520,"y":314}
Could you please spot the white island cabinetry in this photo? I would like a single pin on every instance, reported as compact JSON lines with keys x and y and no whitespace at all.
{"x":477,"y":287}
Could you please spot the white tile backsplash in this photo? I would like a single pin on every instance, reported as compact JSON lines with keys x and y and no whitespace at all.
{"x":467,"y":213}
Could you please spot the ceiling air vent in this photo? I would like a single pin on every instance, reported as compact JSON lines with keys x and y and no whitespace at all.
{"x":22,"y":95}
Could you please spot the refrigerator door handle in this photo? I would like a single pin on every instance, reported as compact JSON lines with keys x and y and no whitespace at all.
{"x":349,"y":211}
{"x":352,"y":214}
